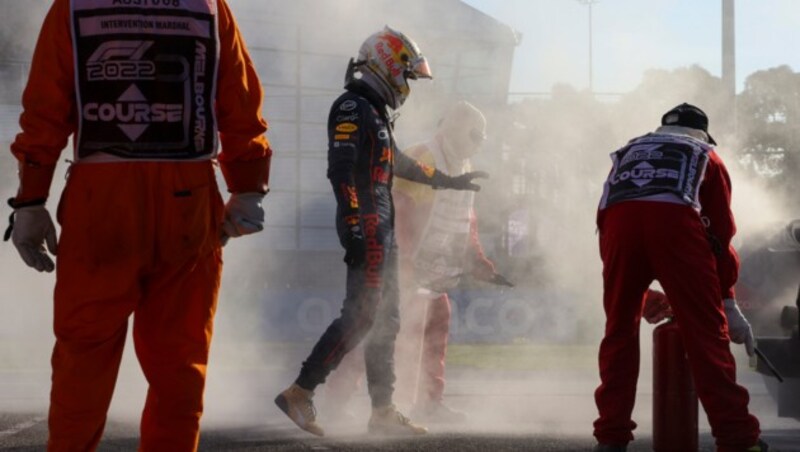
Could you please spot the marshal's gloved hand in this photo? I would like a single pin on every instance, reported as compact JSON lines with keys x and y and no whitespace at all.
{"x":462,"y":182}
{"x":243,"y":215}
{"x":656,"y":307}
{"x":738,"y":327}
{"x":30,"y":229}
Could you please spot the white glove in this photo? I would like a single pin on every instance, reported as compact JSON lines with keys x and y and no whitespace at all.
{"x":32,"y":228}
{"x":738,"y":327}
{"x":243,"y":215}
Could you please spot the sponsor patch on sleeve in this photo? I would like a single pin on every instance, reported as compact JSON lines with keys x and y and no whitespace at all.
{"x":427,"y":169}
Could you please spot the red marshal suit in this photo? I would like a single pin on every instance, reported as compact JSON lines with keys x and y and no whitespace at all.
{"x":652,"y":227}
{"x":147,"y":92}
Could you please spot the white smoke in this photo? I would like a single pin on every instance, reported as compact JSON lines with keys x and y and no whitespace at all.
{"x":560,"y":287}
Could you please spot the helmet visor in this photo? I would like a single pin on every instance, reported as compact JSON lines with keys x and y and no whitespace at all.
{"x":477,"y":136}
{"x":418,"y":68}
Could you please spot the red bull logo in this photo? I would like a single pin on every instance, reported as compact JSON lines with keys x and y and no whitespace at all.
{"x":389,"y":58}
{"x":394,"y":43}
{"x":379,"y":175}
{"x":374,"y":258}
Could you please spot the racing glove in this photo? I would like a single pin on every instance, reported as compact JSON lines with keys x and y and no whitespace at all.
{"x":30,"y":228}
{"x":244,"y":215}
{"x":354,"y":245}
{"x":738,"y":327}
{"x":656,"y":307}
{"x":462,"y":182}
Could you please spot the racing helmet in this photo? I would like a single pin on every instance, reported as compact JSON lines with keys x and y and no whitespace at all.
{"x":463,"y":130}
{"x":392,"y":58}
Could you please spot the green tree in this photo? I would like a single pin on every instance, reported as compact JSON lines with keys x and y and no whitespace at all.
{"x":641,"y":109}
{"x":769,"y":111}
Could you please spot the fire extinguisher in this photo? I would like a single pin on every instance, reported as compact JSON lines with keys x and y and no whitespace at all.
{"x":674,"y":396}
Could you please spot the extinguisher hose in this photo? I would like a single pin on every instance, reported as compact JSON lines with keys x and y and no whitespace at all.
{"x":769,"y":365}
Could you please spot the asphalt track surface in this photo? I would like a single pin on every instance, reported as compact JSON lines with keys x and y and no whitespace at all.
{"x":544,"y":410}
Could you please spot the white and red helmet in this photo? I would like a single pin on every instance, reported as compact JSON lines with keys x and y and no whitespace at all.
{"x":463,"y":130}
{"x":393,"y":58}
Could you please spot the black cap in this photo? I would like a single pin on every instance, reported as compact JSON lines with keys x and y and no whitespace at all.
{"x":687,"y":115}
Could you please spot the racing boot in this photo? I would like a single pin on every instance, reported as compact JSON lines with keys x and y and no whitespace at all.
{"x":390,"y":422}
{"x":436,"y":412}
{"x":297,"y":403}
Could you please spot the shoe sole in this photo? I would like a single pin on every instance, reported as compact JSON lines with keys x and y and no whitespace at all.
{"x":439,"y":420}
{"x":381,"y":432}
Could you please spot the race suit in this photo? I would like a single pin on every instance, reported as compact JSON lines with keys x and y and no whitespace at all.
{"x":362,"y":160}
{"x":443,"y":223}
{"x":661,"y":190}
{"x":144,"y":90}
